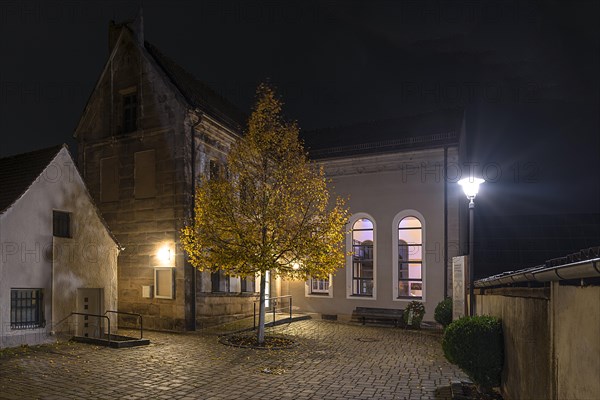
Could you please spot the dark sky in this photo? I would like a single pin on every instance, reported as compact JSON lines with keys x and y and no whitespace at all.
{"x":526,"y":71}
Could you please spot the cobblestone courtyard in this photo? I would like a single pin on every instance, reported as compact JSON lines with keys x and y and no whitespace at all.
{"x":331,"y":361}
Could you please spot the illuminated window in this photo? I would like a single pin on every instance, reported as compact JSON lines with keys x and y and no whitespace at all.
{"x":410,"y":258}
{"x":362,"y":258}
{"x":319,"y":285}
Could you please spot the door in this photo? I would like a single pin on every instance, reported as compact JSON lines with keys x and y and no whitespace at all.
{"x":89,"y":301}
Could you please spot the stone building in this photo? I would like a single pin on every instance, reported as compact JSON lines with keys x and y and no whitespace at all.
{"x":148,"y":130}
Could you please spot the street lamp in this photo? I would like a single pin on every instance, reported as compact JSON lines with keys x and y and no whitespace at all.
{"x":470,"y":186}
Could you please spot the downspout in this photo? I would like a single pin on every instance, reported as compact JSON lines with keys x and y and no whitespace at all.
{"x":445,"y":222}
{"x":193,"y":212}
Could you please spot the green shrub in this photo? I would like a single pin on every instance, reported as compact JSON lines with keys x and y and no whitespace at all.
{"x":476,"y":345}
{"x":413,"y":314}
{"x":443,"y":312}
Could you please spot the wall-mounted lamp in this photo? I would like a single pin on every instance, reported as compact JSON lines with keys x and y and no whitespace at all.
{"x":164,"y":254}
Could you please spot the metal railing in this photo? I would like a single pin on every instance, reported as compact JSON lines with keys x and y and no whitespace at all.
{"x":96,"y":316}
{"x":274,"y":302}
{"x":133,"y":314}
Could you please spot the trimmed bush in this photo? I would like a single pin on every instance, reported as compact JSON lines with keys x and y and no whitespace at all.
{"x":413,"y":314}
{"x":476,"y":345}
{"x":443,"y":312}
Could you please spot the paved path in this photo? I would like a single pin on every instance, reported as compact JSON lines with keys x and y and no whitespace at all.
{"x":332,"y":361}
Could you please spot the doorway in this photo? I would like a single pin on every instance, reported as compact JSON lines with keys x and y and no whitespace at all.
{"x":89,"y":301}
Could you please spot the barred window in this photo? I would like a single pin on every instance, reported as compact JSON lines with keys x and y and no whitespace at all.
{"x":26,"y":309}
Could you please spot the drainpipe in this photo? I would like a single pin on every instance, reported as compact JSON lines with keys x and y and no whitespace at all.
{"x":445,"y":222}
{"x":193,"y":211}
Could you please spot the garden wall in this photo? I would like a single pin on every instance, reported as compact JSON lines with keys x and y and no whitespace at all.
{"x":550,"y":340}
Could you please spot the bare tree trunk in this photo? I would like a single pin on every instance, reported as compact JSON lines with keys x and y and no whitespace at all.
{"x":260,"y":337}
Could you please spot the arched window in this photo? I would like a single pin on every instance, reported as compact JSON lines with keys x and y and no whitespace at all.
{"x":362,"y":258}
{"x":410,"y":258}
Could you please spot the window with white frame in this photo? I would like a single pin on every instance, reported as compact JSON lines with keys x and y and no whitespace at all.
{"x":319,"y":285}
{"x":164,"y":283}
{"x":410,"y":258}
{"x":362,"y":257}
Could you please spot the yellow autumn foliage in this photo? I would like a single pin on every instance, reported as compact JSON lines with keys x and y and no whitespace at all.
{"x":271,"y":211}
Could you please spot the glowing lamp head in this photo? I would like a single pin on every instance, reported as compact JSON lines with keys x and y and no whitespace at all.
{"x":295,"y":266}
{"x":470,"y":186}
{"x":164,"y":254}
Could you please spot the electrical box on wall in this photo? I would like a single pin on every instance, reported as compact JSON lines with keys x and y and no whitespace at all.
{"x":147,"y":291}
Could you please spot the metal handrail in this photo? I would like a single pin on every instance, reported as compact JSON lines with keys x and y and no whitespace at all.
{"x":134,"y":314}
{"x":97,"y":316}
{"x":273,"y":306}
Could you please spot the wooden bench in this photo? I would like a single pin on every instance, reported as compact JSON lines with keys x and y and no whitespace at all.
{"x":379,"y":314}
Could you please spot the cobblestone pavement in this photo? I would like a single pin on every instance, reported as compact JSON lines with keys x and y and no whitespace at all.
{"x":332,"y":361}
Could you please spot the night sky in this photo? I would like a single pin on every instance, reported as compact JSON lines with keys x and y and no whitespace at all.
{"x":527,"y":73}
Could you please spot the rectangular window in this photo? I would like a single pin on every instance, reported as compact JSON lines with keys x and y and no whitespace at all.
{"x":319,"y":286}
{"x":130,"y":112}
{"x":248,"y":284}
{"x":26,"y":309}
{"x":220,"y":282}
{"x":61,"y":224}
{"x":109,"y":179}
{"x":145,"y":174}
{"x":163,"y":283}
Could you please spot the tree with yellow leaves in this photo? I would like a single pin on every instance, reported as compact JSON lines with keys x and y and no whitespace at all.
{"x":272,"y":210}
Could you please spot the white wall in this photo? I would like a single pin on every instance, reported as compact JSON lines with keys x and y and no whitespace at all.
{"x":384,"y":186}
{"x":33,"y":258}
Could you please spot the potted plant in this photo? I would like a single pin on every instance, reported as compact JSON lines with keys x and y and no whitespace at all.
{"x":413,"y":314}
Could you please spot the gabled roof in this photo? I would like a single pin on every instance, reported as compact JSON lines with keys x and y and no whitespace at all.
{"x":428,"y":130}
{"x":18,"y":172}
{"x":197,"y":93}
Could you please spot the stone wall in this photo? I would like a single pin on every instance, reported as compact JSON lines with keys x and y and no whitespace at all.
{"x":217,"y":308}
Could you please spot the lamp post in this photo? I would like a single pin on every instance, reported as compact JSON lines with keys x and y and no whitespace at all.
{"x":470,"y":186}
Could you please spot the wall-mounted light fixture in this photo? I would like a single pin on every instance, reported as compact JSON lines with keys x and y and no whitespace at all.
{"x":164,"y":254}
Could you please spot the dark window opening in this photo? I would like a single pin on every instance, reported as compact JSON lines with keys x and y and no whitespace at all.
{"x":130,"y":112}
{"x":214,"y":170}
{"x":220,"y":282}
{"x":61,"y":224}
